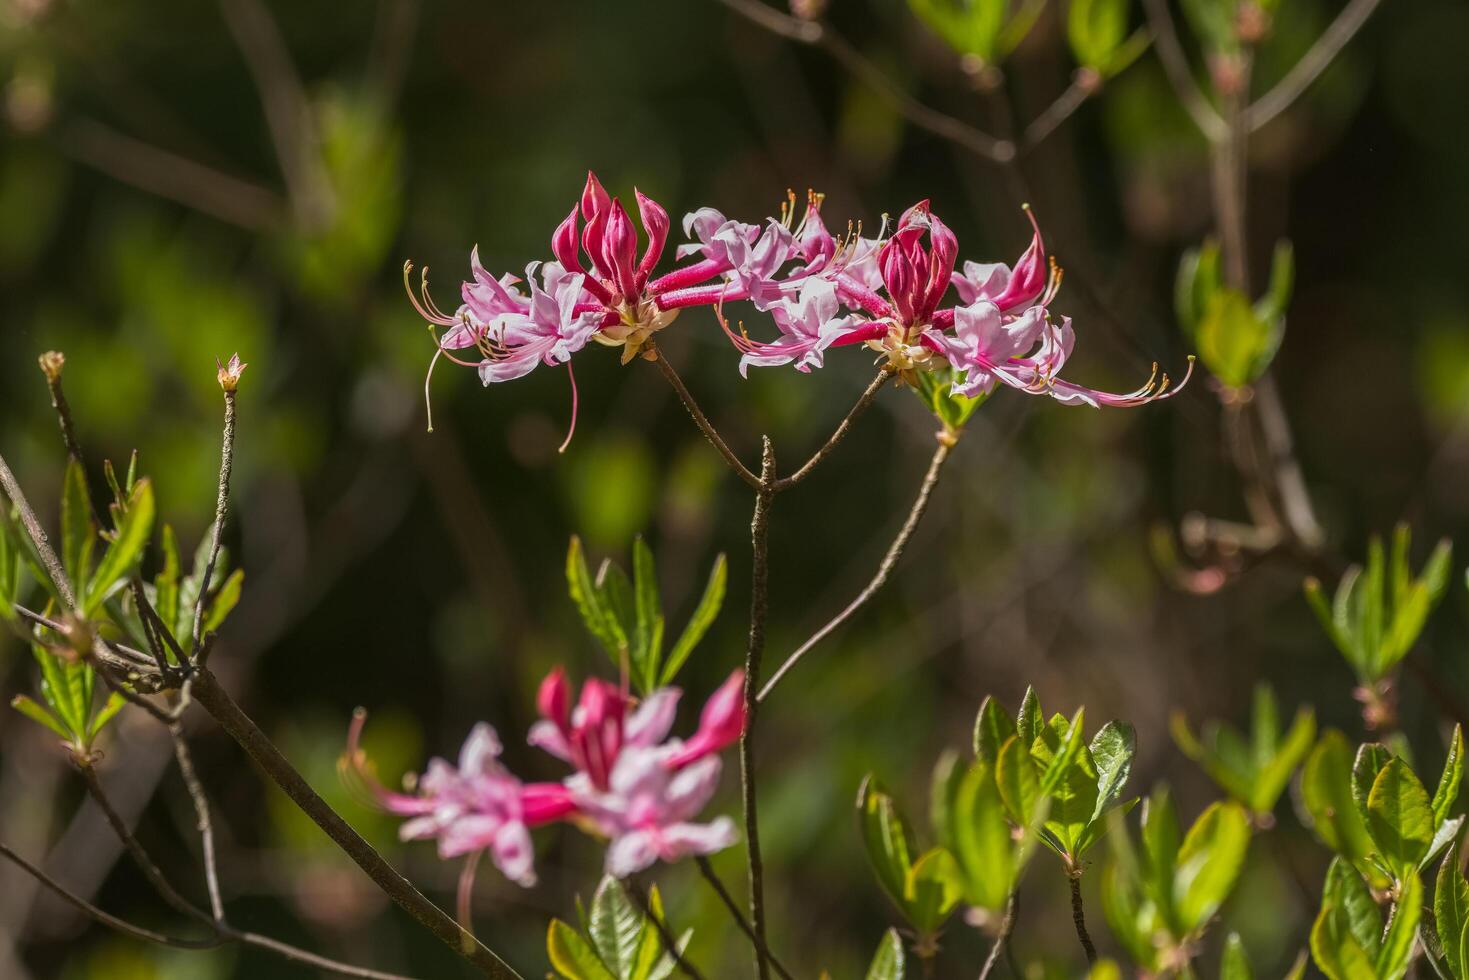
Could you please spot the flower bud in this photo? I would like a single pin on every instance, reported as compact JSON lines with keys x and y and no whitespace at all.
{"x":51,"y":364}
{"x":564,"y":244}
{"x":594,"y":197}
{"x":229,"y":374}
{"x":656,"y":224}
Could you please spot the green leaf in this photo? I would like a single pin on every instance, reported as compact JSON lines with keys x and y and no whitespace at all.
{"x":1112,"y":751}
{"x":572,"y":956}
{"x":1209,"y":862}
{"x":1447,"y":793}
{"x":38,"y":714}
{"x":1273,"y":304}
{"x":1030,"y":719}
{"x":135,"y":526}
{"x":1451,"y":911}
{"x":224,"y":601}
{"x":1344,"y":939}
{"x":9,"y":572}
{"x":1402,"y":930}
{"x":1235,"y":344}
{"x":886,"y":839}
{"x":980,"y":839}
{"x":1274,"y":775}
{"x":1161,"y":839}
{"x":652,"y":960}
{"x":1094,"y":29}
{"x":931,"y":890}
{"x":585,"y":595}
{"x":967,"y":26}
{"x":1326,"y":792}
{"x":615,"y":928}
{"x":647,"y":645}
{"x":58,"y":689}
{"x":1235,"y":964}
{"x":888,"y":963}
{"x":106,"y":713}
{"x":166,"y":582}
{"x":1400,"y":818}
{"x":615,"y":594}
{"x":1197,"y":280}
{"x":78,"y":530}
{"x":993,"y":726}
{"x":1018,"y":782}
{"x":703,"y":617}
{"x":1371,"y":758}
{"x":1069,"y":751}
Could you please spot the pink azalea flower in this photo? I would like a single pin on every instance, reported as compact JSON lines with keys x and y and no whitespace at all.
{"x":473,"y":807}
{"x":638,"y":790}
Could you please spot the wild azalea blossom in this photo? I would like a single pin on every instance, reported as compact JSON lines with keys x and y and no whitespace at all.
{"x":632,"y":784}
{"x":821,"y":291}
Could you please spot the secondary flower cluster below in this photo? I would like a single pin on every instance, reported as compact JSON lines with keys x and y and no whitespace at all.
{"x":631,"y":784}
{"x":902,"y":294}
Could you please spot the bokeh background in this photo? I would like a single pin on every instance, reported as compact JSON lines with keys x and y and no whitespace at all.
{"x":179,"y":181}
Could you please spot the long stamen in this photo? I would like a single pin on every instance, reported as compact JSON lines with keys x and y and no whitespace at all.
{"x":427,"y":299}
{"x":434,"y":316}
{"x":571,"y":431}
{"x":428,"y":402}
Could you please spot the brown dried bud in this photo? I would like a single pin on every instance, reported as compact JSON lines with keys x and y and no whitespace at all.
{"x":1251,"y":23}
{"x":51,"y":364}
{"x":808,"y":9}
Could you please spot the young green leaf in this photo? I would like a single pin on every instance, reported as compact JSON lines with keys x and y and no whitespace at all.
{"x":1451,"y":911}
{"x":1447,"y":793}
{"x":888,"y":963}
{"x":1018,"y":782}
{"x":40,"y":715}
{"x":1235,"y":964}
{"x":615,"y":928}
{"x":1326,"y":792}
{"x":1209,"y":862}
{"x":1402,"y":929}
{"x":931,"y":889}
{"x":135,"y":526}
{"x":224,"y":601}
{"x":1030,"y":720}
{"x":993,"y":726}
{"x":572,"y":956}
{"x":114,"y":703}
{"x":886,"y":839}
{"x":981,"y":841}
{"x":1400,"y":818}
{"x":647,"y":646}
{"x":1345,"y":939}
{"x":1371,"y":758}
{"x":78,"y":530}
{"x":166,"y":582}
{"x":586,"y":596}
{"x":1112,"y":751}
{"x":703,"y":617}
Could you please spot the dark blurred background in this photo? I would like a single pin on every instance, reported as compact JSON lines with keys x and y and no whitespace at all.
{"x":179,"y":181}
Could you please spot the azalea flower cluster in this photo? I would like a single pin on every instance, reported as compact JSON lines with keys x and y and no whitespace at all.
{"x":902,"y":295}
{"x":631,"y":785}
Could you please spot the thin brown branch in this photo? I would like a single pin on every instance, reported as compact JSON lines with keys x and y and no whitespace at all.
{"x":51,"y":366}
{"x":702,"y":421}
{"x":221,"y":508}
{"x":884,"y":568}
{"x":37,"y":533}
{"x":1082,"y":87}
{"x":1312,"y":64}
{"x":845,"y":426}
{"x":107,"y":919}
{"x":670,"y":941}
{"x":707,"y":870}
{"x":1078,"y":917}
{"x":202,"y":820}
{"x":223,"y":196}
{"x":1180,"y":74}
{"x":118,"y":656}
{"x":288,"y":112}
{"x":813,"y":34}
{"x":213,"y":697}
{"x":1007,"y":926}
{"x":759,"y":607}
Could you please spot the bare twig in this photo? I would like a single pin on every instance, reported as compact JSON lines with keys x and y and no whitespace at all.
{"x":37,"y":534}
{"x":1078,"y":916}
{"x":1310,"y":67}
{"x":1007,"y":926}
{"x":707,"y":870}
{"x":759,"y":606}
{"x":670,"y":941}
{"x":221,"y":506}
{"x":1180,"y":75}
{"x":702,"y":421}
{"x":140,"y":856}
{"x":1082,"y":87}
{"x":112,"y":921}
{"x":202,"y":821}
{"x":223,"y":196}
{"x":884,"y":569}
{"x":812,"y":34}
{"x":845,"y":426}
{"x":287,"y":110}
{"x":51,"y":365}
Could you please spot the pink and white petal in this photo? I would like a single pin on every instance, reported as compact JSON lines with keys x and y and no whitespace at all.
{"x":630,"y":853}
{"x":650,"y":723}
{"x":514,"y":854}
{"x":683,"y":839}
{"x":473,"y":832}
{"x":545,"y":736}
{"x":690,"y":788}
{"x":480,"y":751}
